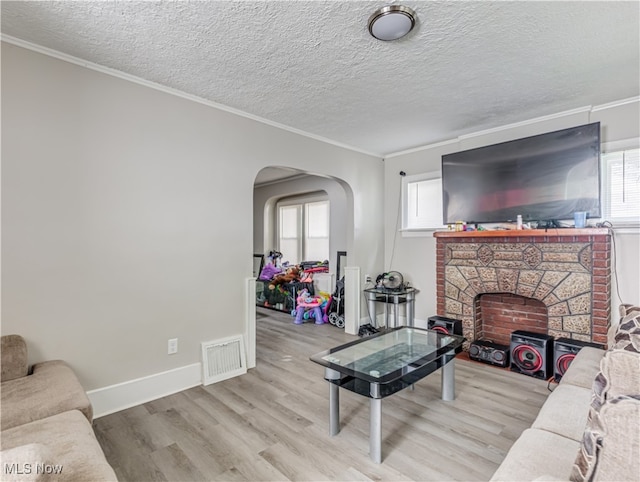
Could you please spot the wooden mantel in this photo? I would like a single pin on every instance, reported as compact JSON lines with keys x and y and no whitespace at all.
{"x":511,"y":233}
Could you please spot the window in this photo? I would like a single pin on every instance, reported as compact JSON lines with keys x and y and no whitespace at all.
{"x":621,"y":192}
{"x":303,"y":229}
{"x":290,"y":240}
{"x":422,"y":201}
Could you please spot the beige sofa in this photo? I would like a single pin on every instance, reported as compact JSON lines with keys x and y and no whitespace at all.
{"x":589,"y":427}
{"x":45,"y":419}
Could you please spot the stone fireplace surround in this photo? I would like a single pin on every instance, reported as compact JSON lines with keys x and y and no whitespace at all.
{"x":555,"y":281}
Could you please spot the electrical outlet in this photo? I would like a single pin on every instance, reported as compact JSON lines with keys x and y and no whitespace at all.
{"x":173,"y":346}
{"x":367,"y":278}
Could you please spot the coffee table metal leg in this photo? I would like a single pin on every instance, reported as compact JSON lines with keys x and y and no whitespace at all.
{"x":449,"y":379}
{"x":375,"y":430}
{"x":334,"y":401}
{"x":334,"y":410}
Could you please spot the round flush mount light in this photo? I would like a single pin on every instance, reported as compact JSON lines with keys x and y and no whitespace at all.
{"x":392,"y":22}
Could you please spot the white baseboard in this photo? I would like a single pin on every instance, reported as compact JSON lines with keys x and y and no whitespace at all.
{"x":128,"y":394}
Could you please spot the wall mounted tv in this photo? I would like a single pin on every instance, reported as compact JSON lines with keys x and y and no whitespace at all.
{"x":544,"y":178}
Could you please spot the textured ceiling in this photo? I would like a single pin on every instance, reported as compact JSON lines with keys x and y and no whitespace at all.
{"x":313,"y":66}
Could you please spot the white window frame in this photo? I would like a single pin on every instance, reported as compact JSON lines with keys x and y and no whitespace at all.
{"x":608,"y":148}
{"x":302,"y":201}
{"x":408,"y":228}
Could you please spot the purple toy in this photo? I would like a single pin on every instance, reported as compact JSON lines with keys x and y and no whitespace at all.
{"x":308,"y":303}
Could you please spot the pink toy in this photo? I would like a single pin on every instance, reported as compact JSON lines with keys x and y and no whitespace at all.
{"x":306,"y":302}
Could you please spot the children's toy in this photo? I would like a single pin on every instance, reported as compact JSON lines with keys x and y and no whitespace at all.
{"x":291,"y":274}
{"x":310,"y":306}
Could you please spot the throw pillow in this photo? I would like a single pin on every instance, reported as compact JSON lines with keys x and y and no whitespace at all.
{"x":624,"y":311}
{"x":14,"y":357}
{"x":611,"y":443}
{"x":627,"y":335}
{"x":619,"y":375}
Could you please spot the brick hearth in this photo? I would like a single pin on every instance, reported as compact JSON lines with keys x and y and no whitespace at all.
{"x":556,"y":282}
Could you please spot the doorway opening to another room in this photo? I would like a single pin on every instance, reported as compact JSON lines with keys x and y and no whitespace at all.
{"x":300,"y":225}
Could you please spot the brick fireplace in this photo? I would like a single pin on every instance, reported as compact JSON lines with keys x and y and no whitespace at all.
{"x":556,"y":282}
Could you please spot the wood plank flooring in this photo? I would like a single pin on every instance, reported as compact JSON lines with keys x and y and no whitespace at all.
{"x":272,"y":423}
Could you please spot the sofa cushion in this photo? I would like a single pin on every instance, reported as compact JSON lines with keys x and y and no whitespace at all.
{"x":13,"y":351}
{"x":538,"y":453}
{"x":26,"y":463}
{"x":565,"y":412}
{"x":584,"y":368}
{"x":52,"y":388}
{"x":611,"y":445}
{"x":72,"y":445}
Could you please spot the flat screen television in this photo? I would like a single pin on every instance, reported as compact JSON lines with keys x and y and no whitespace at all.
{"x":544,"y":178}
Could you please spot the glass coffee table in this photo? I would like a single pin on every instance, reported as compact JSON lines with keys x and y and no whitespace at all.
{"x":383,"y":364}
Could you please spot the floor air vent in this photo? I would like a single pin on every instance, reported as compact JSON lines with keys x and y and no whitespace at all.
{"x":222,"y":359}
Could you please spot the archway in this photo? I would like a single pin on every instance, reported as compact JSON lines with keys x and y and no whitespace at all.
{"x":273,"y":183}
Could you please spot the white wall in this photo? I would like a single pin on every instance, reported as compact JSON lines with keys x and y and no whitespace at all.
{"x":414,"y":255}
{"x":127,"y":216}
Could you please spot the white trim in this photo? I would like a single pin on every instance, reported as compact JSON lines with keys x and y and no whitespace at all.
{"x":250,"y":317}
{"x":352,"y":296}
{"x":621,"y":145}
{"x":616,"y":103}
{"x":168,"y":90}
{"x":311,"y":197}
{"x":422,"y":148}
{"x":128,"y":394}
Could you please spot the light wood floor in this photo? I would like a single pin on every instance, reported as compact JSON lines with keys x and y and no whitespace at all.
{"x":272,"y":423}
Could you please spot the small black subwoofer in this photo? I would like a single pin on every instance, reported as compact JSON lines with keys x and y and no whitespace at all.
{"x":532,"y":354}
{"x":489,"y":352}
{"x":448,"y":326}
{"x":564,"y":351}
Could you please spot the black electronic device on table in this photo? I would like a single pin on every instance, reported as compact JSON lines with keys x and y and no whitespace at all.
{"x":488,"y":352}
{"x":390,"y":281}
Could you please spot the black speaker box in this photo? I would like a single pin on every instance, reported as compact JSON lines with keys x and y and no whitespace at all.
{"x":489,"y":352}
{"x":564,"y":351}
{"x":449,"y":326}
{"x":532,"y":354}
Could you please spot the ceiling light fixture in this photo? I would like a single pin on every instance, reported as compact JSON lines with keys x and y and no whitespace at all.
{"x":392,"y":22}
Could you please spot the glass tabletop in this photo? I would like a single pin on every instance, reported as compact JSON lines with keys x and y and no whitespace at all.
{"x":388,"y":356}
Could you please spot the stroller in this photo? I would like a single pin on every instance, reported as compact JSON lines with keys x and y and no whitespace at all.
{"x":335,"y":306}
